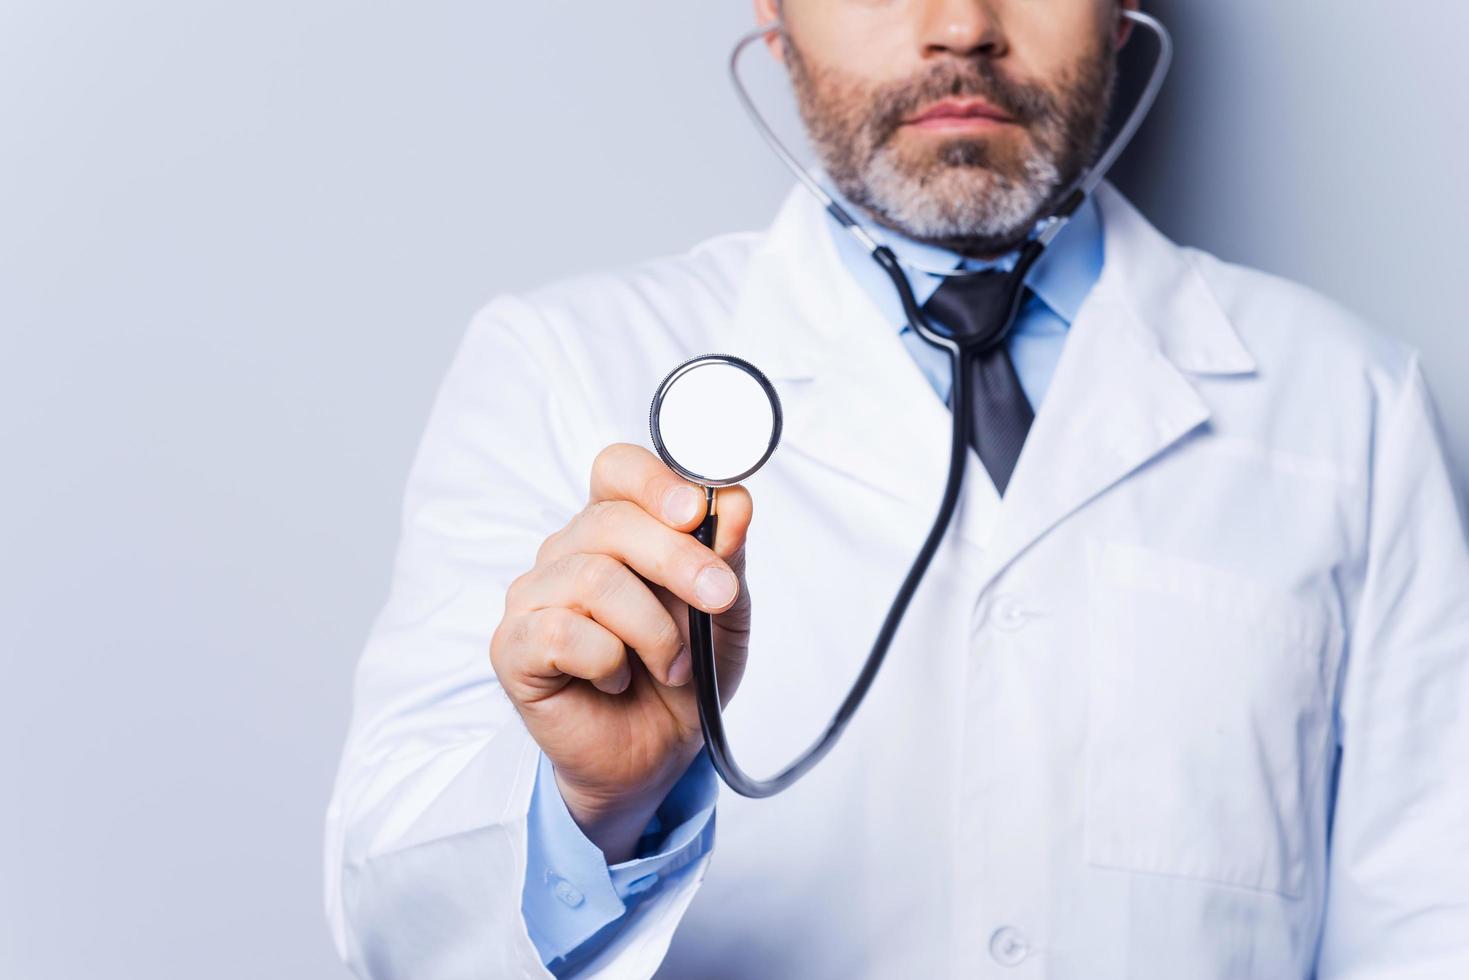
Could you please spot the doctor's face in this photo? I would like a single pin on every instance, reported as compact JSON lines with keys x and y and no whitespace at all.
{"x":957,"y":122}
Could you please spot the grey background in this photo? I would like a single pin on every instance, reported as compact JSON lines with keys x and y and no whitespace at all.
{"x":238,"y":243}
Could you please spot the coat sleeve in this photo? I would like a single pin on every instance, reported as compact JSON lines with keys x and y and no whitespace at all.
{"x":1398,"y":893}
{"x":426,"y":845}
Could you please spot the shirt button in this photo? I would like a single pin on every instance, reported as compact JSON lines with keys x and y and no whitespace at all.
{"x":568,"y":892}
{"x":642,"y":884}
{"x":1008,"y":946}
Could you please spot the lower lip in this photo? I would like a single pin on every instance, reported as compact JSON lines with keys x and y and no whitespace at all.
{"x":958,"y":124}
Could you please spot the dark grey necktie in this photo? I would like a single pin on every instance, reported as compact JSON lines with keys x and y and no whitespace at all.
{"x":978,"y":305}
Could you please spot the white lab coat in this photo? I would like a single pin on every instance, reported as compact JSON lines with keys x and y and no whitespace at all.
{"x":1104,"y":743}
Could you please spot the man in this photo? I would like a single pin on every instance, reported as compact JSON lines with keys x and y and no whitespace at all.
{"x":1184,"y":695}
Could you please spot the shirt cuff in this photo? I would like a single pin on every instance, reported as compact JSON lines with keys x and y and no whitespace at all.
{"x":571,"y":895}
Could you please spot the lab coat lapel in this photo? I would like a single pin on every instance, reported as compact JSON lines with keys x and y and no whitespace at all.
{"x":855,"y":401}
{"x":1121,"y":394}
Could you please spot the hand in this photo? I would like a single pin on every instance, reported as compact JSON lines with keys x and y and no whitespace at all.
{"x":593,"y":648}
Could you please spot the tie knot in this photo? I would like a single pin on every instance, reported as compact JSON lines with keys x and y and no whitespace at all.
{"x":979,"y":308}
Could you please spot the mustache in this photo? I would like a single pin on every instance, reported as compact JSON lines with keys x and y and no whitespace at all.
{"x":893,"y":103}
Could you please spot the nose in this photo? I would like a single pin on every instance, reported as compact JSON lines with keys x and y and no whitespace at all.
{"x":961,"y":27}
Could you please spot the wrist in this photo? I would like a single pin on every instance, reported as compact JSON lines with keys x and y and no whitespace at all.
{"x":613,"y":825}
{"x":615,"y":822}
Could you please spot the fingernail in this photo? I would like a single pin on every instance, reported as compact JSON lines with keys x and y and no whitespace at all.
{"x":715,"y":586}
{"x":682,"y":669}
{"x":682,"y":504}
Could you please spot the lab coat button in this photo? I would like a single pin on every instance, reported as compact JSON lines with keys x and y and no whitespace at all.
{"x":1008,"y":613}
{"x":1008,"y":946}
{"x":568,"y":893}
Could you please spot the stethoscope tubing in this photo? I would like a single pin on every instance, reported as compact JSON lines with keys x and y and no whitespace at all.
{"x":701,"y":627}
{"x":962,"y":353}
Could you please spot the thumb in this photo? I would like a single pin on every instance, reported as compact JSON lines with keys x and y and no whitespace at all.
{"x":735,"y":509}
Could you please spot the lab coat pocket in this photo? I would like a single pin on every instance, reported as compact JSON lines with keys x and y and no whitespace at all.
{"x":1209,"y":711}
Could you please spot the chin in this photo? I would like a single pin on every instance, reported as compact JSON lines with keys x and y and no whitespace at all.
{"x":951,"y":204}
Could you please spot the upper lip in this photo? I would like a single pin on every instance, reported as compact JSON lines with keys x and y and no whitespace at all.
{"x":961,"y":107}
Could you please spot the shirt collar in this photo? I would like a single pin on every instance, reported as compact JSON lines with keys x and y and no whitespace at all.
{"x":1062,"y":277}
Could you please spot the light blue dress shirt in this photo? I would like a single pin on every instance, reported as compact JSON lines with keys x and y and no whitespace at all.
{"x":572,"y":900}
{"x":1061,"y":279}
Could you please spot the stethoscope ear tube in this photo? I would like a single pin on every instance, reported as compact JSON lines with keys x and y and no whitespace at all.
{"x":962,"y":353}
{"x":1080,"y":189}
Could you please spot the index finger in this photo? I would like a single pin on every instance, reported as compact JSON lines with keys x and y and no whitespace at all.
{"x":624,"y":471}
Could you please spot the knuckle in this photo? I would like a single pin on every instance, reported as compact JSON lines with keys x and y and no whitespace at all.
{"x":609,"y":458}
{"x":666,"y":636}
{"x":548,"y":546}
{"x":602,"y":512}
{"x":517,"y":587}
{"x":509,"y":636}
{"x":666,"y":569}
{"x":600,"y":522}
{"x":553,"y":629}
{"x":691,"y":557}
{"x":563,"y":567}
{"x":605,"y":457}
{"x":597,"y":576}
{"x":654,"y":484}
{"x":578,"y":524}
{"x":608,"y":659}
{"x":497,"y":645}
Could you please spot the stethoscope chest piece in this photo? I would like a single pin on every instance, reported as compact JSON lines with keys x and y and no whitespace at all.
{"x":715,"y":420}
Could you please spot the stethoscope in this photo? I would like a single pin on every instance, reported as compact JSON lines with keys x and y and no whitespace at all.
{"x":716,"y":419}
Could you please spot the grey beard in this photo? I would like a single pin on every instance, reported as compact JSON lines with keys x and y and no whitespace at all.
{"x":967,"y":199}
{"x":974,"y":220}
